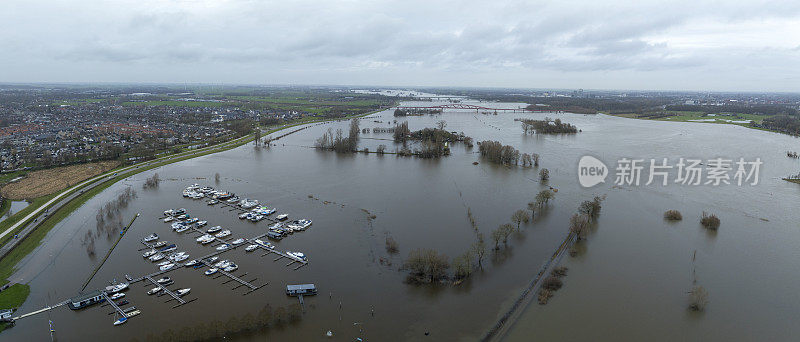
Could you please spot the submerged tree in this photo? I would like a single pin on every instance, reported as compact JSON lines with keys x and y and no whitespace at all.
{"x":591,"y":208}
{"x":544,"y":174}
{"x":543,"y":197}
{"x":698,"y":298}
{"x":426,"y":265}
{"x":579,"y":225}
{"x":519,"y":217}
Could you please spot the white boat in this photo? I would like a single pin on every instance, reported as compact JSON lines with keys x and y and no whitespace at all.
{"x":222,"y":264}
{"x":182,"y":229}
{"x":223,"y":233}
{"x":223,"y":247}
{"x":212,"y":202}
{"x":231,"y":268}
{"x":212,"y":259}
{"x":121,"y":320}
{"x":182,"y":292}
{"x":154,"y":291}
{"x":156,"y":257}
{"x":164,"y":263}
{"x":151,"y":237}
{"x":300,"y":224}
{"x":166,"y":267}
{"x":297,"y":256}
{"x":168,"y":219}
{"x":243,"y":216}
{"x":275,"y":226}
{"x":250,"y":248}
{"x":238,"y":241}
{"x":176,"y":225}
{"x":213,"y":229}
{"x":211,"y":271}
{"x":149,"y":253}
{"x":133,"y":313}
{"x":161,"y":243}
{"x":282,"y":217}
{"x":203,"y":237}
{"x":117,"y":296}
{"x":169,"y":212}
{"x":191,"y":263}
{"x":201,"y":223}
{"x":207,"y":241}
{"x":180,"y":258}
{"x":163,"y":280}
{"x":117,"y":287}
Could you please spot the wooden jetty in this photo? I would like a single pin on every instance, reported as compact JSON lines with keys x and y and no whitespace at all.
{"x":164,"y":289}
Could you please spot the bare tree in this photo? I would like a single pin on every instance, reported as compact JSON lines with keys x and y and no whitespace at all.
{"x":216,"y":178}
{"x":543,"y":197}
{"x":519,"y":217}
{"x":535,"y":158}
{"x":441,"y":124}
{"x":479,"y":249}
{"x":506,"y":229}
{"x":698,"y":298}
{"x":544,"y":174}
{"x":591,"y":208}
{"x":579,"y":225}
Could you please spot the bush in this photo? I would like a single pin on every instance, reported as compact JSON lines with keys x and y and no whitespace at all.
{"x":710,"y":221}
{"x":673,"y":215}
{"x":698,"y":298}
{"x":552,"y":283}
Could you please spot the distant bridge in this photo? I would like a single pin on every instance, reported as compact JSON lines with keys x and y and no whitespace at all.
{"x":472,"y":107}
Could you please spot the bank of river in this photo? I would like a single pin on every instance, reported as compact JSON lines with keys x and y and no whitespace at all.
{"x":423,"y":204}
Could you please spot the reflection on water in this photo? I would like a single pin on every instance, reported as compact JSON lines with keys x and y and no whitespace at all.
{"x":628,"y":283}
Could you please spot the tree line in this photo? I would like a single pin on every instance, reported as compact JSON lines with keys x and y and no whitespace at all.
{"x":337,"y":142}
{"x":547,"y":126}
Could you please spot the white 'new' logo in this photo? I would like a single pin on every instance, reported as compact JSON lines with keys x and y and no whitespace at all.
{"x":591,"y":171}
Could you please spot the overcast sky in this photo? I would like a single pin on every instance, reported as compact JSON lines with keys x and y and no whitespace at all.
{"x":673,"y":45}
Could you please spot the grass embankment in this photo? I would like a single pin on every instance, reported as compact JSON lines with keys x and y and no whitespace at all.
{"x":44,"y":182}
{"x":792,"y":180}
{"x":4,"y":206}
{"x":13,"y":297}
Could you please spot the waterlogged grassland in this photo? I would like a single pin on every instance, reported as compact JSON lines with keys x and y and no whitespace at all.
{"x":683,"y":116}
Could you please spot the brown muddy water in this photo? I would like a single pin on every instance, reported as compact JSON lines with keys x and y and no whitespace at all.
{"x":628,"y":284}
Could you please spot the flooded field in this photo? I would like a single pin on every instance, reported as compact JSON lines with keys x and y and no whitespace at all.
{"x":629,"y":281}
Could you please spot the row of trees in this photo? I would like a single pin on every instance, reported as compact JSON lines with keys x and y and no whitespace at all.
{"x":588,"y":212}
{"x":338,"y":142}
{"x":416,"y":112}
{"x":108,"y":219}
{"x":151,"y":182}
{"x":498,"y":153}
{"x":547,"y":126}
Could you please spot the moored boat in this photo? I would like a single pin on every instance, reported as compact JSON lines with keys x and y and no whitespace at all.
{"x":154,"y":290}
{"x":182,"y":292}
{"x":121,"y":320}
{"x":223,"y":247}
{"x":250,"y":248}
{"x":238,"y":241}
{"x":117,"y":296}
{"x":214,"y":229}
{"x":282,"y":217}
{"x":166,"y":267}
{"x":151,"y":237}
{"x":223,"y":233}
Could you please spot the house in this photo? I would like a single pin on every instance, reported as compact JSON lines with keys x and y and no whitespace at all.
{"x":82,"y":301}
{"x":301,"y":289}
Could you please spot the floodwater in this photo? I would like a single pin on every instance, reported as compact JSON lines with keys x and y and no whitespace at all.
{"x":628,"y":283}
{"x":15,"y":207}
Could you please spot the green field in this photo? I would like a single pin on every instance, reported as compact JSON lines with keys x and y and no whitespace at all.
{"x":13,"y":297}
{"x":720,"y":118}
